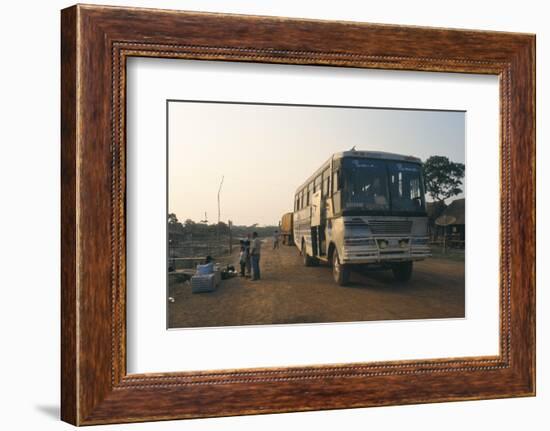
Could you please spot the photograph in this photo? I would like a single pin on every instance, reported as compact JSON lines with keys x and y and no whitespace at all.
{"x":284,"y":214}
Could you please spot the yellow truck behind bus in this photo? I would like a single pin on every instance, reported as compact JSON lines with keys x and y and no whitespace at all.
{"x":286,"y":229}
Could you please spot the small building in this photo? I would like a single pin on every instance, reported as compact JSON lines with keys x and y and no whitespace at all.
{"x":456,"y":232}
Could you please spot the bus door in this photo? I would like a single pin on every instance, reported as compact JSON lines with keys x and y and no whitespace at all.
{"x":316,"y":229}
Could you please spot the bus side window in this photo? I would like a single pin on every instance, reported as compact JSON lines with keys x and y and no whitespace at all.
{"x":318,"y":183}
{"x":326,"y":182}
{"x":335,"y":185}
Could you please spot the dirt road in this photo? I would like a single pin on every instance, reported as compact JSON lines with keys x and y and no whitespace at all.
{"x":291,"y":293}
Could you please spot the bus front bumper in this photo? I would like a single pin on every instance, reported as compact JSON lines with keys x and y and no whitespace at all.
{"x":355,"y":255}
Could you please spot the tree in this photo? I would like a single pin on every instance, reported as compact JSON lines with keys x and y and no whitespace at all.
{"x":172,"y":218}
{"x":190,"y":225}
{"x":443,"y":178}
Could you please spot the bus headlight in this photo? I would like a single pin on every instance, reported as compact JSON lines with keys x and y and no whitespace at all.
{"x":382,"y":243}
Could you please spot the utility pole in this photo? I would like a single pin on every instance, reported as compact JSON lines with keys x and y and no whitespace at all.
{"x":219,"y":190}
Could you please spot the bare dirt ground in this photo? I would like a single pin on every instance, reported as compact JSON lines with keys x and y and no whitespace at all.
{"x":291,"y":293}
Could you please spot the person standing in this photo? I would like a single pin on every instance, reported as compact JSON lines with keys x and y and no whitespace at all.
{"x":275,"y":240}
{"x":247,"y":255}
{"x":242,"y":258}
{"x":255,"y":251}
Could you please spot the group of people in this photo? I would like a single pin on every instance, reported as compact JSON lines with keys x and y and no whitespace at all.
{"x":249,"y":256}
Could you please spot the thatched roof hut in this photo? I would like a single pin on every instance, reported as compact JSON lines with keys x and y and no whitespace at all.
{"x":435,"y":209}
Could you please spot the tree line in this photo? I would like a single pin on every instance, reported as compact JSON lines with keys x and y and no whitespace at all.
{"x":203,"y":229}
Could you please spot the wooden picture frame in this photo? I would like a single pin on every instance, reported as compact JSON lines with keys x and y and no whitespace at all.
{"x":95,"y":43}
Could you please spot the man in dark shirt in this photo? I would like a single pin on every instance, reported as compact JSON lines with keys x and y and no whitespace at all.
{"x":255,"y":251}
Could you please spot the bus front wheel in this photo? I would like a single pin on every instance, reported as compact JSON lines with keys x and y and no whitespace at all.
{"x":340,"y":272}
{"x":402,"y":271}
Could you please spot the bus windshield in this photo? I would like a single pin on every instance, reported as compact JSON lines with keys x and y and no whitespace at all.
{"x":382,"y":185}
{"x":406,"y":187}
{"x":366,"y":185}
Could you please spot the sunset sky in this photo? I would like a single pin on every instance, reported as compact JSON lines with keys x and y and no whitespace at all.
{"x":265,"y":152}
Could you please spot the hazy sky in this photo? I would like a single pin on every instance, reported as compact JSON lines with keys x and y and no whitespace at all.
{"x":265,"y":152}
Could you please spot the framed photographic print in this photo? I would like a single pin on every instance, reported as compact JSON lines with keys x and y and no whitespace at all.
{"x":267,"y":215}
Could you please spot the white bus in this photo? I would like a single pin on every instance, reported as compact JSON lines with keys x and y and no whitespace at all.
{"x":363,"y":208}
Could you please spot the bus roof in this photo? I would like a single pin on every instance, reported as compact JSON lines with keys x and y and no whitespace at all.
{"x":382,"y":155}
